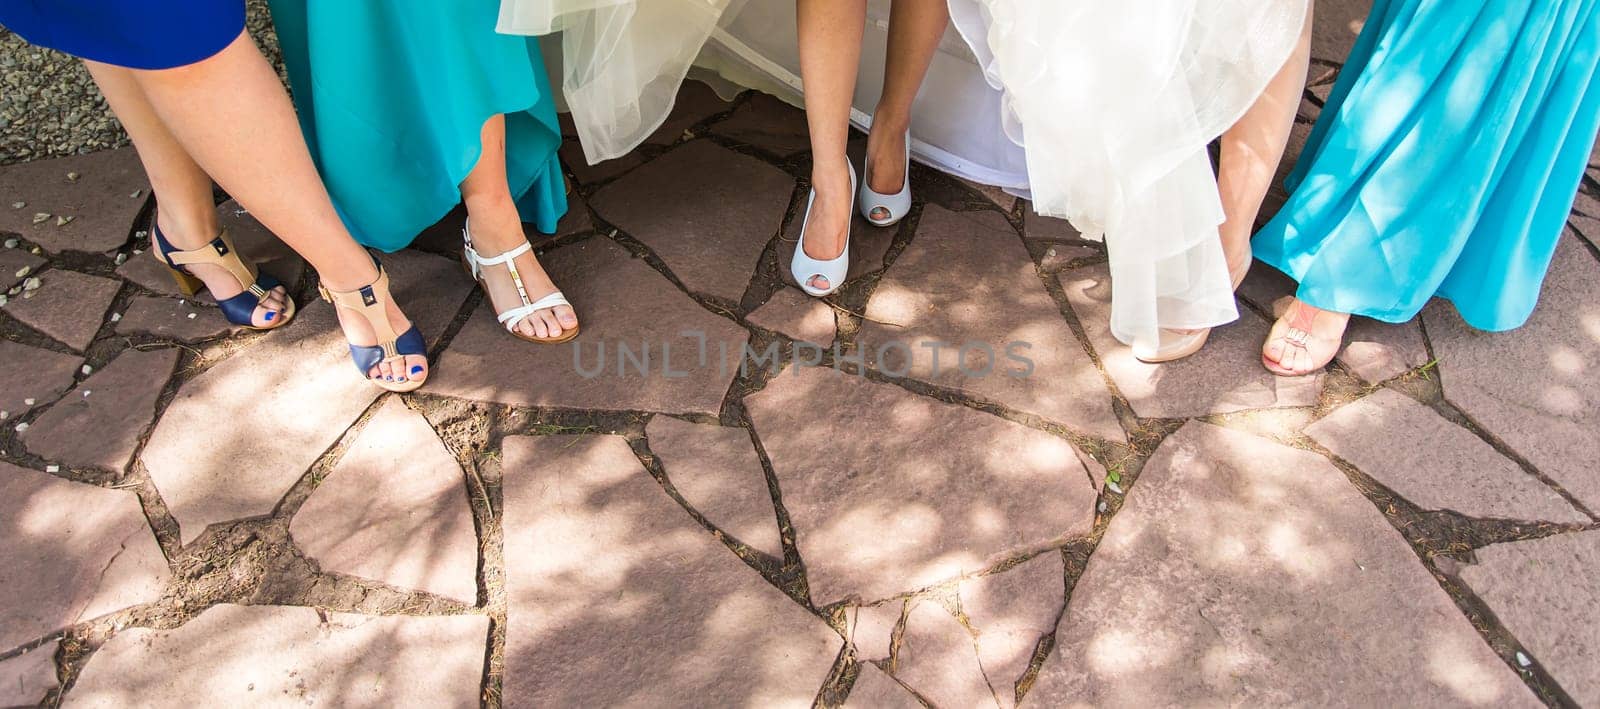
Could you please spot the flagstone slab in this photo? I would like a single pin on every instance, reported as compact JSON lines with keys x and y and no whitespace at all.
{"x":98,"y":424}
{"x":173,"y":319}
{"x":14,"y":262}
{"x":963,"y":308}
{"x":872,"y":629}
{"x":892,"y":491}
{"x":394,"y":509}
{"x":70,"y":552}
{"x":1376,"y":351}
{"x":684,"y":622}
{"x":668,"y":205}
{"x":304,"y":368}
{"x":875,"y":690}
{"x":1223,"y":377}
{"x":255,"y":243}
{"x":571,"y":153}
{"x":768,"y":124}
{"x":622,"y":304}
{"x":717,"y":471}
{"x":32,"y":374}
{"x":1543,"y":590}
{"x":1335,"y":28}
{"x":1434,"y":463}
{"x":68,"y":306}
{"x":1244,"y":572}
{"x":1040,"y":228}
{"x":26,"y":678}
{"x":1535,"y":388}
{"x":109,"y":191}
{"x":1011,"y":612}
{"x":695,"y":102}
{"x":286,"y":656}
{"x":938,"y":658}
{"x":797,"y":315}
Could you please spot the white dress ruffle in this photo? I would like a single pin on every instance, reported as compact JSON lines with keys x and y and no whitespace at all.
{"x":1102,"y":111}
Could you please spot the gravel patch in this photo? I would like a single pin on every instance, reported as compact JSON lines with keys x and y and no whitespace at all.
{"x":49,"y":107}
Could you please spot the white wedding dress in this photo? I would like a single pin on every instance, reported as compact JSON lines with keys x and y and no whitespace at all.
{"x":1101,"y":110}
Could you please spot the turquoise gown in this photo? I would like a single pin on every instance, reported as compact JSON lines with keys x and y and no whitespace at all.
{"x":1445,"y":161}
{"x":393,"y":95}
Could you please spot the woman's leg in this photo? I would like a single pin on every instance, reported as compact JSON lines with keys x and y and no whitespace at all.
{"x":1252,"y":150}
{"x":233,"y":118}
{"x":497,"y":228}
{"x":915,"y":28}
{"x":188,"y":216}
{"x":830,"y":50}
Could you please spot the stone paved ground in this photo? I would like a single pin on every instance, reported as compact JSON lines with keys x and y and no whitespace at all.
{"x":193,"y":513}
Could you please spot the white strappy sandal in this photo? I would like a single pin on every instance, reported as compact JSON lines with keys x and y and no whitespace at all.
{"x":835,"y":270}
{"x":509,"y":318}
{"x":896,"y":205}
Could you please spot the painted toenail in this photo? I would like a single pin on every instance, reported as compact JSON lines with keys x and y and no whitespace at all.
{"x":270,"y":315}
{"x":416,"y":370}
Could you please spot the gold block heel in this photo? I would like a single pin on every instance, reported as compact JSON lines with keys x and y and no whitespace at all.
{"x":188,"y":285}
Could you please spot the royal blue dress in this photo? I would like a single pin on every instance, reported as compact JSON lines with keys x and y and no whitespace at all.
{"x":142,"y":34}
{"x":1445,"y":161}
{"x":393,"y":95}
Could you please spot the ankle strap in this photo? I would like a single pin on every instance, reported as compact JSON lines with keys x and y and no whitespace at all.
{"x":221,"y":253}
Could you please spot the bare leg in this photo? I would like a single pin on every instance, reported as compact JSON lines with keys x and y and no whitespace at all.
{"x":497,"y":228}
{"x":1252,"y":150}
{"x":232,"y":116}
{"x":188,"y":217}
{"x":915,"y":28}
{"x":830,"y":50}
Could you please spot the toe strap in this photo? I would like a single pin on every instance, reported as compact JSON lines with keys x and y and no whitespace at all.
{"x":511,"y":317}
{"x":241,"y":309}
{"x":410,"y":343}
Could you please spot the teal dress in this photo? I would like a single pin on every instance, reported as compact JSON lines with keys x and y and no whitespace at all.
{"x":1445,"y":161}
{"x":393,"y":95}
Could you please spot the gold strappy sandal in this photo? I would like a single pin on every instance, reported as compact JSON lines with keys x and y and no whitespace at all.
{"x":240,"y":309}
{"x":509,"y":319}
{"x":370,"y":302}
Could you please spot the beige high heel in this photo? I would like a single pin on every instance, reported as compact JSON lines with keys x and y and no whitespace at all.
{"x":240,"y":309}
{"x":1178,"y":344}
{"x":371,"y":303}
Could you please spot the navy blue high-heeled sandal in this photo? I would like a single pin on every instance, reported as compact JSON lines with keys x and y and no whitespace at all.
{"x":240,"y":309}
{"x":370,"y":302}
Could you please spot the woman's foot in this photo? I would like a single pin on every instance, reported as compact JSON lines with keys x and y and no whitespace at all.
{"x":526,"y":284}
{"x":826,"y":230}
{"x":1303,"y":340}
{"x":409,"y":368}
{"x":181,"y":235}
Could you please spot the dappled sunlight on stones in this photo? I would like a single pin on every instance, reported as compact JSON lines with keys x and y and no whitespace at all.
{"x":798,"y":316}
{"x":208,"y":474}
{"x":32,"y":373}
{"x":938,"y":658}
{"x":875,"y":690}
{"x":1243,"y":571}
{"x":69,"y":552}
{"x":394,"y":509}
{"x":68,"y":306}
{"x":26,"y":678}
{"x":619,"y":598}
{"x":964,"y":302}
{"x":871,"y":628}
{"x":707,"y":211}
{"x":621,"y":303}
{"x":100,"y":204}
{"x":1536,"y":388}
{"x":1012,"y":611}
{"x":1434,"y":463}
{"x":884,"y":489}
{"x":1544,"y":591}
{"x":99,"y":424}
{"x":718,"y":473}
{"x":1225,"y":376}
{"x":235,"y":655}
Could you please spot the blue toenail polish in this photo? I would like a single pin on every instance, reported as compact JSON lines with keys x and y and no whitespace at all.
{"x":270,"y":315}
{"x":416,"y":370}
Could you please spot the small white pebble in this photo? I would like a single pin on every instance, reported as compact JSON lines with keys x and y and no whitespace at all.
{"x":32,"y":283}
{"x":18,"y":205}
{"x":1102,"y":507}
{"x":182,"y":302}
{"x":116,"y":317}
{"x":136,"y":252}
{"x":28,"y":402}
{"x":1523,"y":660}
{"x":62,"y":221}
{"x":73,"y":176}
{"x":136,"y":194}
{"x":52,"y":468}
{"x":21,"y":427}
{"x":86,"y":393}
{"x":5,"y":415}
{"x":86,"y":369}
{"x":27,"y":294}
{"x":1114,"y":487}
{"x":36,"y":251}
{"x":1050,"y":251}
{"x":25,"y":270}
{"x":12,"y":243}
{"x":122,"y":259}
{"x":39,"y":217}
{"x":4,"y":299}
{"x":191,"y":316}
